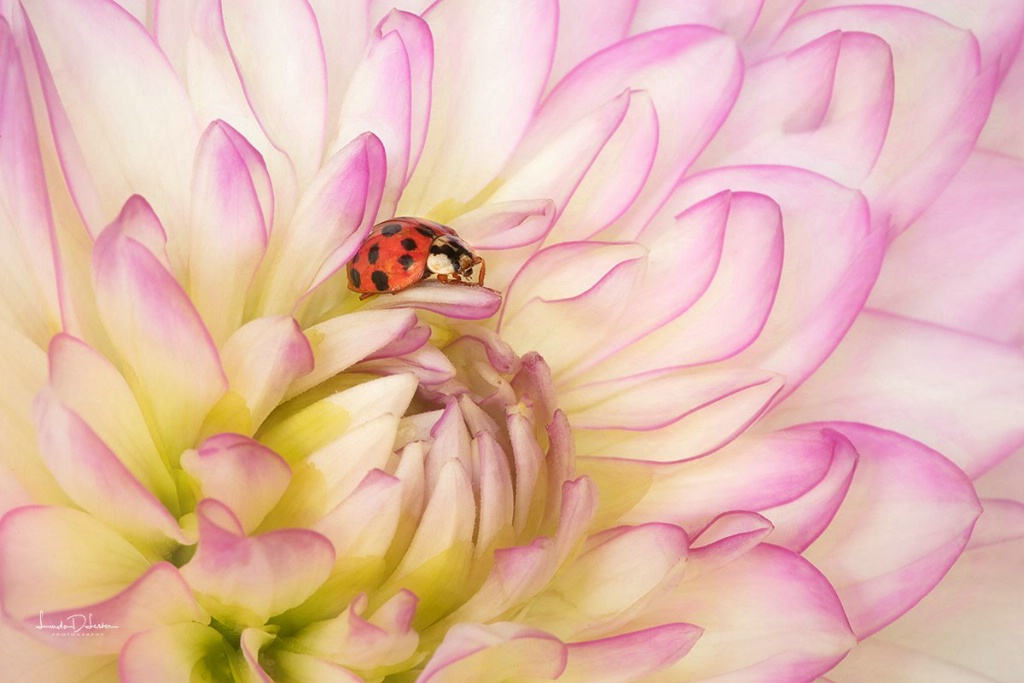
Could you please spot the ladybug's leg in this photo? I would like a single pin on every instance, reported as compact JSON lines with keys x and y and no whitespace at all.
{"x":367,"y":296}
{"x":483,"y":269}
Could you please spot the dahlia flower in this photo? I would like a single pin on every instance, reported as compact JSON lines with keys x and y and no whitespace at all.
{"x":741,"y":399}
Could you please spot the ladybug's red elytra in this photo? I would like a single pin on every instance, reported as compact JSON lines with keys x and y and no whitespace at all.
{"x":400,"y":252}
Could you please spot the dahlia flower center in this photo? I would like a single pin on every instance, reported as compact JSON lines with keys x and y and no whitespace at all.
{"x":416,"y":481}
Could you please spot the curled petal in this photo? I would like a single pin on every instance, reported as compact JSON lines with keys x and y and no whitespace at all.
{"x":159,"y":334}
{"x":97,"y":481}
{"x":262,"y":359}
{"x":767,"y":616}
{"x":331,"y":220}
{"x":231,"y":197}
{"x":881,"y":570}
{"x":833,"y":119}
{"x":944,"y":97}
{"x":752,"y":473}
{"x":91,"y":387}
{"x":171,"y":653}
{"x":258,"y":576}
{"x":453,"y":301}
{"x":623,"y":572}
{"x":629,"y":656}
{"x":344,"y":340}
{"x":241,"y":473}
{"x":472,"y":651}
{"x":691,"y":74}
{"x":805,"y":323}
{"x":362,"y":641}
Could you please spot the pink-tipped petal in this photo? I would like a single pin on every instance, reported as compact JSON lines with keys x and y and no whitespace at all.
{"x":926,"y":382}
{"x":962,"y":264}
{"x":331,"y":220}
{"x":833,"y":119}
{"x":122,"y":106}
{"x":944,"y":97}
{"x":360,"y":641}
{"x":478,"y":652}
{"x":159,"y":597}
{"x":263,"y":575}
{"x":469,"y":104}
{"x":616,"y":176}
{"x":97,"y":481}
{"x":252,"y":641}
{"x":630,"y":656}
{"x":262,"y":359}
{"x":447,"y":521}
{"x":768,"y":616}
{"x":726,"y":538}
{"x":497,"y":498}
{"x":656,"y":399}
{"x":968,"y":628}
{"x":506,"y":225}
{"x":159,"y":335}
{"x":752,"y":473}
{"x":244,"y":475}
{"x":288,"y":96}
{"x":345,"y":340}
{"x":229,"y":226}
{"x":565,"y":289}
{"x":419,"y":45}
{"x":692,"y":75}
{"x":879,"y":569}
{"x":557,"y":166}
{"x":805,"y":323}
{"x":344,"y":463}
{"x":90,"y":386}
{"x":364,"y":524}
{"x":618,"y":577}
{"x":307,"y":668}
{"x":741,"y":267}
{"x":172,"y":653}
{"x":389,"y":95}
{"x":26,"y":230}
{"x":43,"y":551}
{"x":997,"y":25}
{"x":800,"y":521}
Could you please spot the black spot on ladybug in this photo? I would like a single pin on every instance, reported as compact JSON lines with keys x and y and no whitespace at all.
{"x":373,"y":253}
{"x":390,"y":229}
{"x":406,"y":261}
{"x":353,"y":275}
{"x":408,"y":244}
{"x":380,"y":280}
{"x":426,"y":232}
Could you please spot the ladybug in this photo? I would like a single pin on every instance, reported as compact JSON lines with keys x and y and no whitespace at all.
{"x":400,"y":252}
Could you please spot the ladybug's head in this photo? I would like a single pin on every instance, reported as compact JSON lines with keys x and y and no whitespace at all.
{"x":449,"y":255}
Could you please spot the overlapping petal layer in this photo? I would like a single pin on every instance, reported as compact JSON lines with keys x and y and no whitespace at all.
{"x":669,"y":441}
